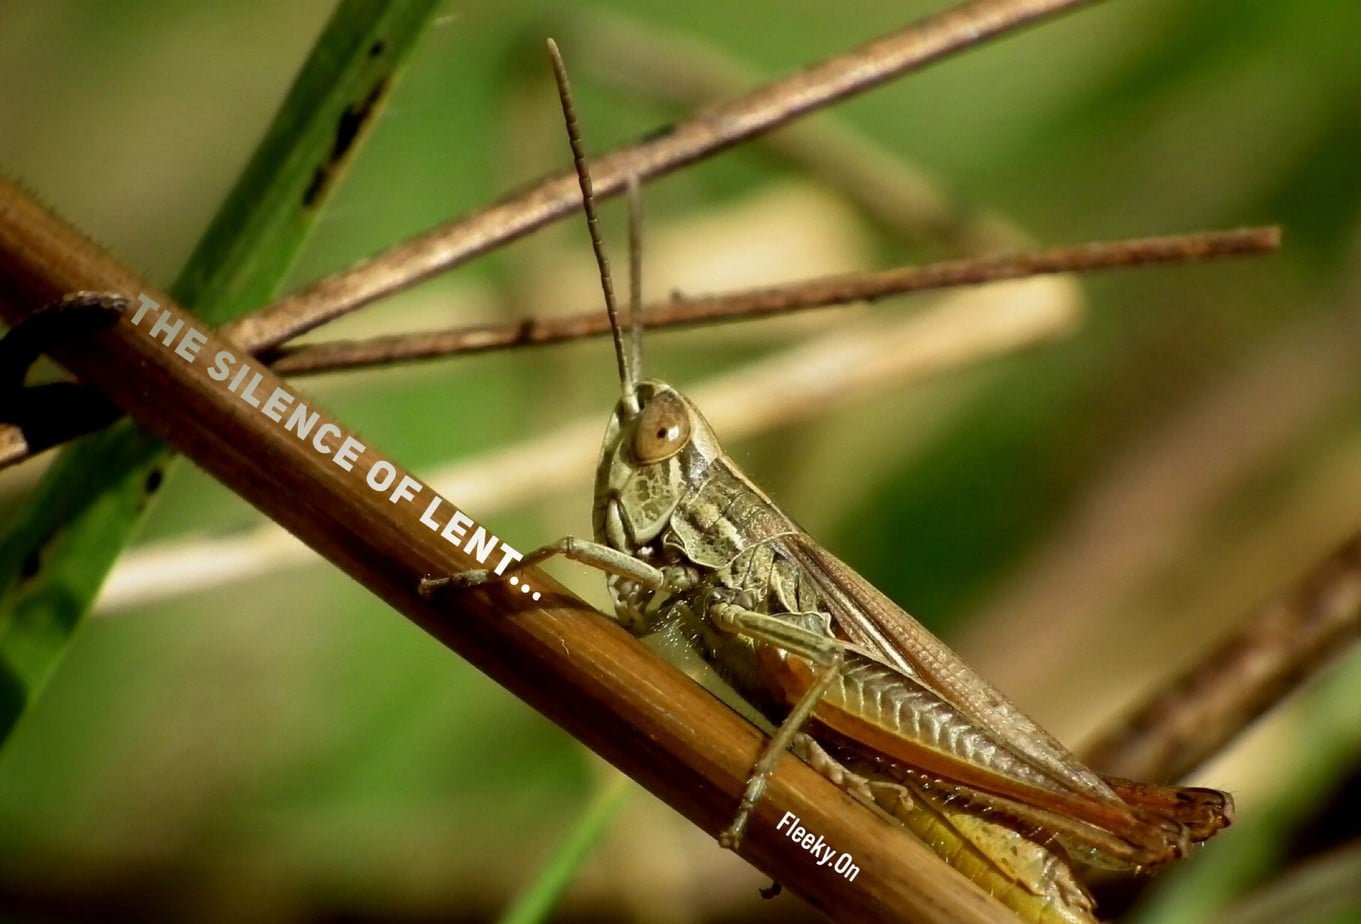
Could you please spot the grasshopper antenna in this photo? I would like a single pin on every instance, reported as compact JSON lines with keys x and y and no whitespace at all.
{"x":627,"y":375}
{"x":635,"y":197}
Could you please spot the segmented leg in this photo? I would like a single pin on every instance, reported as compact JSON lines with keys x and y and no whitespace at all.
{"x":822,"y":650}
{"x":601,"y":557}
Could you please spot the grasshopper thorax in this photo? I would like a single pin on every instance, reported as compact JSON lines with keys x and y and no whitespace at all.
{"x":658,"y":447}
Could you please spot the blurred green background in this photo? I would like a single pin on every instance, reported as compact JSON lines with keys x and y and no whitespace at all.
{"x":271,"y":743}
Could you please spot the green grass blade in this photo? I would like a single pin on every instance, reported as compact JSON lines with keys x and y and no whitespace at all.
{"x":537,"y":903}
{"x":88,"y":505}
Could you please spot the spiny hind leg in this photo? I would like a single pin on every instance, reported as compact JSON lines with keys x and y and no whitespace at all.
{"x":824,"y":651}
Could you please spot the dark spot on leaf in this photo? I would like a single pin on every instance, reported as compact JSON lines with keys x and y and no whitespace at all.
{"x":377,"y":48}
{"x":32,"y":562}
{"x":351,"y":124}
{"x":353,"y":119}
{"x":13,"y":698}
{"x":314,"y":188}
{"x":153,"y":480}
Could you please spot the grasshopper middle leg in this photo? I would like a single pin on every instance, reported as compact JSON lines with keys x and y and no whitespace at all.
{"x":823,"y":651}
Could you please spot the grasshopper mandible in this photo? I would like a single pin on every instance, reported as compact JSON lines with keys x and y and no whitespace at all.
{"x":852,"y":683}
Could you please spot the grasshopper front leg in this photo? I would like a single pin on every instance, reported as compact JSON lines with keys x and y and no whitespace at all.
{"x":822,"y":650}
{"x":593,"y":554}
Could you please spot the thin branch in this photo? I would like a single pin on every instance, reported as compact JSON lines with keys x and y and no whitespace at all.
{"x":780,"y":299}
{"x":687,"y":72}
{"x":866,"y":358}
{"x":703,"y":134}
{"x":559,"y":655}
{"x":827,"y":291}
{"x":1276,"y":649}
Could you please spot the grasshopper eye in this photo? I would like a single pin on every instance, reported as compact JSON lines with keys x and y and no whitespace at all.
{"x":663,"y":429}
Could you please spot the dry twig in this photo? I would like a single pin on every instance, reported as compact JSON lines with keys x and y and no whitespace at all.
{"x":797,"y":296}
{"x":688,"y":73}
{"x":1277,"y":648}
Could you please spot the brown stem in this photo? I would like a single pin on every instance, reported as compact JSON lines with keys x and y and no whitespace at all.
{"x":797,"y":296}
{"x":558,"y":654}
{"x":707,"y":132}
{"x":1277,"y":648}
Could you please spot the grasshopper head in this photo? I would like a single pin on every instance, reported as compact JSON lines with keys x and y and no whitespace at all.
{"x":658,"y":446}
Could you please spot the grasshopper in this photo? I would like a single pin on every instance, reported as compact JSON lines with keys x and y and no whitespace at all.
{"x":693,"y":549}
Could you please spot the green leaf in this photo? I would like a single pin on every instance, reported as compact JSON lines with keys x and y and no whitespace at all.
{"x":538,"y":902}
{"x":89,"y":504}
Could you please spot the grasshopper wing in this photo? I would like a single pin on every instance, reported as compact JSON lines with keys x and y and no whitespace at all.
{"x":1029,"y":768}
{"x":872,"y":621}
